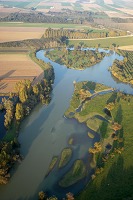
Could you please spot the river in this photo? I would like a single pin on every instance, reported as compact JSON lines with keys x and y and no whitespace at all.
{"x":45,"y":133}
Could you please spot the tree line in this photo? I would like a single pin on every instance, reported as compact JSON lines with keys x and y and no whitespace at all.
{"x":17,"y":107}
{"x":78,"y":34}
{"x":65,"y":17}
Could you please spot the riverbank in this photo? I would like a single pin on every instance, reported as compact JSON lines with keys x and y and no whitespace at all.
{"x":45,"y":133}
{"x":122,"y":70}
{"x":114,"y":154}
{"x":17,"y":107}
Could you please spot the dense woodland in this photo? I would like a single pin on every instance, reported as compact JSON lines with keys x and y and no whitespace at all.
{"x":76,"y":59}
{"x":67,"y":16}
{"x":123,"y":70}
{"x":35,"y":44}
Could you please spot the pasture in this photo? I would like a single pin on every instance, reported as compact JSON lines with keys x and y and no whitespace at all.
{"x":104,"y":42}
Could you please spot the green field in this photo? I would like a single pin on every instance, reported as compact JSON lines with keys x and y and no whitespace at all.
{"x":113,"y":177}
{"x":77,"y":172}
{"x":43,"y":25}
{"x":105,"y":43}
{"x":66,"y":155}
{"x":65,"y":4}
{"x":14,"y":4}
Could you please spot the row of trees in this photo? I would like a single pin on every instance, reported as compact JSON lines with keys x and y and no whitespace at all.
{"x":67,"y":16}
{"x":77,"y":34}
{"x":123,"y":69}
{"x":16,"y":107}
{"x":8,"y":157}
{"x":28,"y":96}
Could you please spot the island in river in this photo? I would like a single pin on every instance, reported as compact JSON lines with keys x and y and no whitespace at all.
{"x":77,"y":58}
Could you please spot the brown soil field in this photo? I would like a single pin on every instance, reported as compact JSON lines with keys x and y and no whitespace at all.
{"x":127,"y":11}
{"x":126,"y":26}
{"x":15,"y":67}
{"x":8,"y":10}
{"x":88,"y":6}
{"x":8,"y":34}
{"x":116,"y":14}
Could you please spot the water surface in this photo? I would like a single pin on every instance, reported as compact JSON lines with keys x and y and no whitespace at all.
{"x":45,"y":133}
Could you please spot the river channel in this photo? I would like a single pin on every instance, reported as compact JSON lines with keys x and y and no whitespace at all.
{"x":45,"y":133}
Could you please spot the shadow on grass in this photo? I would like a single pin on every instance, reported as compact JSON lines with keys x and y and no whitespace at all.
{"x":116,"y":186}
{"x":89,"y":85}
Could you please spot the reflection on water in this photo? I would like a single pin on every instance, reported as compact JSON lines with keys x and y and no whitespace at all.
{"x":46,"y":132}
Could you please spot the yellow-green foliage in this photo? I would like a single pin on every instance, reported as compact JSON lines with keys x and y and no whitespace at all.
{"x":123,"y":70}
{"x":65,"y":157}
{"x":75,"y":59}
{"x":52,"y":164}
{"x":77,"y":172}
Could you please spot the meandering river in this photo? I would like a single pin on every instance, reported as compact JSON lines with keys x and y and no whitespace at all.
{"x":45,"y":133}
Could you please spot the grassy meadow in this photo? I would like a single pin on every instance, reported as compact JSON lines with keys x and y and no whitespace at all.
{"x":115,"y":180}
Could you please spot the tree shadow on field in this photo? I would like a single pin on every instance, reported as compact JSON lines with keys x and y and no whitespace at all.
{"x":116,"y":186}
{"x":6,"y":75}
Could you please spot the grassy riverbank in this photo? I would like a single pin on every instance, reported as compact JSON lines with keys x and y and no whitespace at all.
{"x":82,"y":91}
{"x":77,"y":172}
{"x":52,"y":164}
{"x":113,"y":176}
{"x":104,"y":43}
{"x":66,"y":155}
{"x":123,"y":70}
{"x":17,"y":107}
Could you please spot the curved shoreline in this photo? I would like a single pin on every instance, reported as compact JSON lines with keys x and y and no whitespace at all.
{"x":33,"y":135}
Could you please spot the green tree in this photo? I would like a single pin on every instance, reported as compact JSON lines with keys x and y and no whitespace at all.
{"x":19,"y":114}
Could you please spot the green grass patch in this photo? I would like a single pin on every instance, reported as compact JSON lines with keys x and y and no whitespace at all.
{"x":43,"y":25}
{"x":44,"y":7}
{"x":70,"y":141}
{"x":14,"y":4}
{"x":90,"y":135}
{"x":104,"y":43}
{"x":77,"y":172}
{"x":66,"y":155}
{"x":52,"y":164}
{"x":65,"y":4}
{"x":116,"y":180}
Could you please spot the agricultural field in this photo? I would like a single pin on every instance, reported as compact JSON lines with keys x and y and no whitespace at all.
{"x":43,"y":25}
{"x":106,"y":42}
{"x":16,"y":67}
{"x":58,"y":5}
{"x":8,"y":34}
{"x":6,"y":11}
